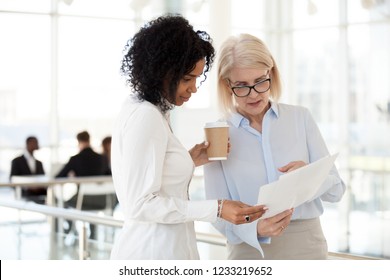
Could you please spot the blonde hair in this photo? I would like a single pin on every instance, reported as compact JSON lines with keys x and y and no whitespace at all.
{"x":244,"y":51}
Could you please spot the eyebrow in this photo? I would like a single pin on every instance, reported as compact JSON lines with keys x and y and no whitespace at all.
{"x":263,"y":77}
{"x":192,"y":75}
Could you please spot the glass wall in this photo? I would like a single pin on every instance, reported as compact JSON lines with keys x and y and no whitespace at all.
{"x":59,"y":69}
{"x":60,"y":73}
{"x":339,"y":68}
{"x":25,"y":71}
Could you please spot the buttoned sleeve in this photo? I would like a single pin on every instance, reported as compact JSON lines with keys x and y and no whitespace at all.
{"x":333,"y":187}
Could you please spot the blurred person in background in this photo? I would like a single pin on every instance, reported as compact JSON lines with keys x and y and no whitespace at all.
{"x":106,"y":147}
{"x":27,"y":164}
{"x":85,"y":163}
{"x":106,"y":153}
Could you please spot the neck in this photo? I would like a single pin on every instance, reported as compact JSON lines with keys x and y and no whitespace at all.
{"x":31,"y":153}
{"x":82,"y":146}
{"x":256,"y":121}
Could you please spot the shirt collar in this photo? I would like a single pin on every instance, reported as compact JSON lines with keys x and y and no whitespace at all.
{"x":275,"y":108}
{"x":28,"y":156}
{"x":237,"y":119}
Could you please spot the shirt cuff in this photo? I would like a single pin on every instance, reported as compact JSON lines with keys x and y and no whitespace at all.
{"x":248,"y":234}
{"x":205,"y":210}
{"x":266,"y":240}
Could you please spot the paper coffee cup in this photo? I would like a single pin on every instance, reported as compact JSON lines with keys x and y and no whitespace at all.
{"x":217,"y":134}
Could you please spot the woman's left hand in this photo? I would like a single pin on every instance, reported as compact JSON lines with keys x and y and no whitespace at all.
{"x":199,"y":154}
{"x":291,"y":166}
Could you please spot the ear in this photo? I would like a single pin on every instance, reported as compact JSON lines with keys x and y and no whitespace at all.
{"x":227,"y":84}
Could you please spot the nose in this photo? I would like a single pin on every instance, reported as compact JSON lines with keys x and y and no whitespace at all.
{"x":193,"y":88}
{"x":251,"y":90}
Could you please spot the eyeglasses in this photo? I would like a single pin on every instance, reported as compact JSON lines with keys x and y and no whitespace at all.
{"x":259,"y":87}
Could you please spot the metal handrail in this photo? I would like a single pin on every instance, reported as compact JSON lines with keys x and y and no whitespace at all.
{"x":78,"y":215}
{"x":70,"y":214}
{"x":73,"y":214}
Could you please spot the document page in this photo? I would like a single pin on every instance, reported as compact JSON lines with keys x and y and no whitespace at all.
{"x":295,"y":187}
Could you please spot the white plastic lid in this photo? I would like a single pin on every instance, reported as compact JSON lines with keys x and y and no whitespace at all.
{"x":216,"y":124}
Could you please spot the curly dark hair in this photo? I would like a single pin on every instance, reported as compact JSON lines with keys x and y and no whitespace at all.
{"x":164,"y":50}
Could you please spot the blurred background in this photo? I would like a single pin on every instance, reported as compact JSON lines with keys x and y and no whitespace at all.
{"x":59,"y":74}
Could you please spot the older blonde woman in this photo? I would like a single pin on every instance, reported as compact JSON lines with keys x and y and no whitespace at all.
{"x":267,"y":139}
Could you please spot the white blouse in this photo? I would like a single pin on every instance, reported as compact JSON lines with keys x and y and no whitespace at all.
{"x":151,"y":172}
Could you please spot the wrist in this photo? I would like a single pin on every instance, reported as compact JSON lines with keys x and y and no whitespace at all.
{"x":259,"y":231}
{"x":220,"y":207}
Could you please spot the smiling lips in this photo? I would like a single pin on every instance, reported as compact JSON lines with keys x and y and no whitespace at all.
{"x":185,"y":99}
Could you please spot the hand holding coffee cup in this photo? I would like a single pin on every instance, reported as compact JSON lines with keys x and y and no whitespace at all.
{"x":198,"y":153}
{"x":217,"y":135}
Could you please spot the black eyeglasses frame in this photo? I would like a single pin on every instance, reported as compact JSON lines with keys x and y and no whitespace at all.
{"x":252,"y":87}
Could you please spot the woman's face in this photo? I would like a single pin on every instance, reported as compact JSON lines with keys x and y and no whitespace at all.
{"x":255,"y":104}
{"x":187,"y":85}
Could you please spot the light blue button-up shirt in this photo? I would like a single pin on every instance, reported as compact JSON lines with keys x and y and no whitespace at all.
{"x":289,"y":133}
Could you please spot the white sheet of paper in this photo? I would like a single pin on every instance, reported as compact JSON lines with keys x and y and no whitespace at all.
{"x":295,"y":187}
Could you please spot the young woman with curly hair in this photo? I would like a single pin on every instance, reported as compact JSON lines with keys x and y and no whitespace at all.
{"x":151,"y":169}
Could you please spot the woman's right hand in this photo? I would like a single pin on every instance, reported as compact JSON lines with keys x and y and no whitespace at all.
{"x":238,"y":212}
{"x":274,"y":226}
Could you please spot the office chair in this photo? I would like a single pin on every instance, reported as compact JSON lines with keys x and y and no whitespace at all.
{"x":93,"y":189}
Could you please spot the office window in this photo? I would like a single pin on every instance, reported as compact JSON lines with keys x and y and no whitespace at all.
{"x":249,"y":18}
{"x":41,"y":6}
{"x":333,"y":56}
{"x":24,"y":84}
{"x":314,"y":13}
{"x":90,"y":87}
{"x":370,"y":88}
{"x":98,"y":8}
{"x":339,"y":67}
{"x":367,"y":11}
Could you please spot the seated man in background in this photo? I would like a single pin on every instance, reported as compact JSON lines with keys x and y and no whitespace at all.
{"x":106,"y":153}
{"x":27,"y":164}
{"x":106,"y":146}
{"x":86,"y":163}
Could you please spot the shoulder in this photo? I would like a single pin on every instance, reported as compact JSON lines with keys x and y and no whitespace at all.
{"x":296,"y":114}
{"x":288,"y":110}
{"x":144,"y":113}
{"x":149,"y":111}
{"x":88,"y":151}
{"x":292,"y":108}
{"x":18,"y":159}
{"x":75,"y":157}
